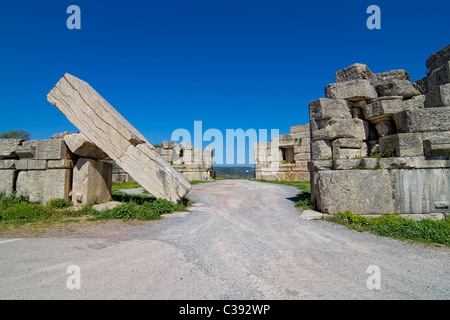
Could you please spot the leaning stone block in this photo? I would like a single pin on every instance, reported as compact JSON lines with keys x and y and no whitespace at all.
{"x":354,"y":72}
{"x":44,"y":185}
{"x":395,"y":87}
{"x":329,"y":108}
{"x":80,"y":145}
{"x":92,"y":181}
{"x":115,"y":136}
{"x":8,"y":148}
{"x":438,"y":97}
{"x":437,"y":59}
{"x":352,"y":90}
{"x":439,"y":76}
{"x":404,"y":144}
{"x":423,"y":120}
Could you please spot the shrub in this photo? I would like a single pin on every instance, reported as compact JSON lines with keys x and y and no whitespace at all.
{"x":24,"y":211}
{"x":59,"y":203}
{"x":13,"y":199}
{"x":160,"y":206}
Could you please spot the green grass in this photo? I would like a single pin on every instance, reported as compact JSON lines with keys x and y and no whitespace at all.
{"x":303,"y":199}
{"x":393,"y":226}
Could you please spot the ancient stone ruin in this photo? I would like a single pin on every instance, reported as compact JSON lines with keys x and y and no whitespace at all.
{"x":102,"y":126}
{"x":285,"y":157}
{"x":192,"y":163}
{"x":381,"y":144}
{"x":67,"y":168}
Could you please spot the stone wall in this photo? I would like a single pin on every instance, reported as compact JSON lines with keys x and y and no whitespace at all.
{"x":49,"y":169}
{"x":192,"y":163}
{"x":381,"y":144}
{"x":285,"y":157}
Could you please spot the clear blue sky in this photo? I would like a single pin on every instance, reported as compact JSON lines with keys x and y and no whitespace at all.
{"x":231,"y":64}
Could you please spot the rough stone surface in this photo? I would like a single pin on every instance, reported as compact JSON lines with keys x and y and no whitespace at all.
{"x":352,"y":90}
{"x":438,"y":97}
{"x":354,"y":72}
{"x":44,"y":185}
{"x":80,"y":145}
{"x":91,"y":182}
{"x":321,"y":149}
{"x":382,"y":109}
{"x":437,"y":59}
{"x":423,"y":120}
{"x":329,"y":108}
{"x":340,"y":128}
{"x":109,"y":131}
{"x":439,"y":76}
{"x":404,"y":144}
{"x":396,"y":87}
{"x":8,"y":148}
{"x":6,"y":181}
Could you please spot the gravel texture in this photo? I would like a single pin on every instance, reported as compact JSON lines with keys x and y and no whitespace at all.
{"x":241,"y":240}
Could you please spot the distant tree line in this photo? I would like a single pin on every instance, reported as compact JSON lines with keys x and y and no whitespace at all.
{"x":15,"y":134}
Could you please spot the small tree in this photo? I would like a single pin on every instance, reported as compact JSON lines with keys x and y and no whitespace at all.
{"x":15,"y":134}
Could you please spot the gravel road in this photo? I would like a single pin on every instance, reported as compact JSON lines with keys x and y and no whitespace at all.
{"x":242,"y":240}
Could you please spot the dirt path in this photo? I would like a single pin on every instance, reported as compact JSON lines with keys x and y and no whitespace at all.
{"x":243,"y":240}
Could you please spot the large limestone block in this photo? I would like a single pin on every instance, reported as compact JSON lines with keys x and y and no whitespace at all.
{"x":423,"y":120}
{"x":329,"y":108}
{"x":44,"y":185}
{"x":115,"y":136}
{"x":399,"y":74}
{"x":7,"y":181}
{"x":321,"y":149}
{"x":439,"y":76}
{"x":404,"y":144}
{"x":54,"y":149}
{"x":300,"y":128}
{"x":438,"y":97}
{"x":382,"y":108}
{"x":352,"y":90}
{"x":396,"y":87}
{"x":359,"y":191}
{"x":354,"y":72}
{"x":437,"y":59}
{"x":153,"y":173}
{"x":340,"y":128}
{"x":80,"y":145}
{"x":92,"y":181}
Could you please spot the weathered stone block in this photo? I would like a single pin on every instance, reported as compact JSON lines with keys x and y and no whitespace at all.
{"x":352,"y":90}
{"x":354,"y":72}
{"x":349,"y":153}
{"x":347,"y":164}
{"x":438,"y":97}
{"x":60,"y":164}
{"x":168,"y":145}
{"x":385,"y":127}
{"x":404,"y":144}
{"x":340,"y":128}
{"x":329,"y":108}
{"x":437,"y":59}
{"x":44,"y":185}
{"x":321,"y":149}
{"x":396,"y":87}
{"x":54,"y":149}
{"x":423,"y":120}
{"x":300,"y":128}
{"x":399,"y":74}
{"x":437,"y":146}
{"x":6,"y":181}
{"x":317,"y":165}
{"x":439,"y":76}
{"x":8,"y":148}
{"x":92,"y":181}
{"x":80,"y":145}
{"x":414,"y":103}
{"x":353,"y":190}
{"x":382,"y":109}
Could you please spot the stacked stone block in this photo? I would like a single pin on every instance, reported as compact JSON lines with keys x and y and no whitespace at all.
{"x":381,"y":144}
{"x":285,"y":157}
{"x":50,"y":169}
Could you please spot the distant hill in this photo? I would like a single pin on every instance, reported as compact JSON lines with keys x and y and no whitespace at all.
{"x":234,"y":172}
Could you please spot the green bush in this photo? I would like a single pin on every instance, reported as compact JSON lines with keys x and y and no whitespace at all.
{"x":24,"y":211}
{"x":160,"y":206}
{"x":13,"y":199}
{"x":59,"y":203}
{"x":393,"y":226}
